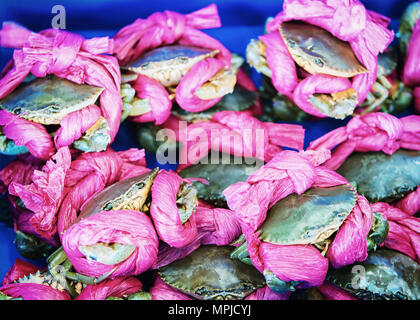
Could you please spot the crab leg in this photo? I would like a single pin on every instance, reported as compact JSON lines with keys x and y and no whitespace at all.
{"x":241,"y":253}
{"x":59,"y":266}
{"x":383,"y":95}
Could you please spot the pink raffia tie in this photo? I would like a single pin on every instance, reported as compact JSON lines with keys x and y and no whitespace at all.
{"x":41,"y":192}
{"x":116,"y":288}
{"x":89,"y":174}
{"x":215,"y":226}
{"x":291,"y":172}
{"x":66,"y":55}
{"x":166,"y":28}
{"x":371,"y":132}
{"x":364,"y":30}
{"x":234,"y":132}
{"x":404,"y":230}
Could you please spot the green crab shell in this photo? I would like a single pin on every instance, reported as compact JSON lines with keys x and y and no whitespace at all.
{"x":318,"y":51}
{"x":169,"y":64}
{"x":128,"y":194}
{"x":30,"y":247}
{"x":209,"y":273}
{"x":381,"y":177}
{"x":48,"y":100}
{"x":384,"y":275}
{"x":220,"y":176}
{"x":308,"y":218}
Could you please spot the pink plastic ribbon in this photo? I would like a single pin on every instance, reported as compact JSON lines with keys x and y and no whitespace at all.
{"x":366,"y":32}
{"x":26,"y":133}
{"x":20,"y":171}
{"x":215,"y":226}
{"x":117,"y":288}
{"x":162,"y":291}
{"x":331,"y":292}
{"x":371,"y":132}
{"x":91,"y":173}
{"x":167,"y":28}
{"x":404,"y":230}
{"x":165,"y":213}
{"x":291,"y":172}
{"x":411,"y":73}
{"x":69,"y":56}
{"x":410,"y":203}
{"x":234,"y":132}
{"x":42,"y":197}
{"x":265,"y":293}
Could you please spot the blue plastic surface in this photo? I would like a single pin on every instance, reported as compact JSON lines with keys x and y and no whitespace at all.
{"x":241,"y":19}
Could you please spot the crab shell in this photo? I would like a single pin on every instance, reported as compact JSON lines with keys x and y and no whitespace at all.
{"x":48,"y":100}
{"x":309,"y":218}
{"x":209,"y":273}
{"x":381,"y":177}
{"x":129,"y":194}
{"x":384,"y":275}
{"x":169,"y":64}
{"x":318,"y":52}
{"x":219,"y":176}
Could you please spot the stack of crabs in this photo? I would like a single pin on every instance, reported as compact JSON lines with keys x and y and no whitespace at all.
{"x":248,"y":213}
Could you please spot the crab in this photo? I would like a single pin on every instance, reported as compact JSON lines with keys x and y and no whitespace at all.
{"x":209,"y":273}
{"x":381,"y":177}
{"x":219,"y":176}
{"x":316,"y":51}
{"x":49,"y":100}
{"x":129,"y":194}
{"x":388,"y":94}
{"x":384,"y":275}
{"x":168,"y":65}
{"x":311,"y":218}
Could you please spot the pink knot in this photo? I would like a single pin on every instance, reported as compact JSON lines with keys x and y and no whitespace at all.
{"x":170,"y":26}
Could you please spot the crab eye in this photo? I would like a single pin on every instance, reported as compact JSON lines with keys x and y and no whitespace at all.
{"x":319,"y":62}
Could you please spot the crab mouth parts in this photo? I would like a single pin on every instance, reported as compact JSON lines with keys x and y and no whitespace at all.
{"x":337,"y":105}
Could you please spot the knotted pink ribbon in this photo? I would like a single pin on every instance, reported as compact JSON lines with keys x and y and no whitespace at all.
{"x":234,"y":132}
{"x":371,"y":132}
{"x":167,"y":28}
{"x":66,"y":55}
{"x":214,"y":226}
{"x":364,"y":30}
